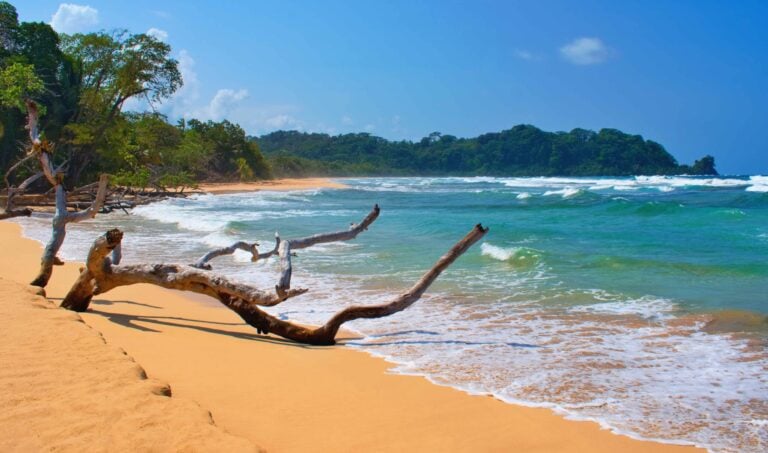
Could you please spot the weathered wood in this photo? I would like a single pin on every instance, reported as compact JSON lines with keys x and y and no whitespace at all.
{"x":15,"y":192}
{"x":26,"y":212}
{"x":286,"y":247}
{"x":15,"y":167}
{"x":101,"y":275}
{"x":202,"y":263}
{"x":61,"y":217}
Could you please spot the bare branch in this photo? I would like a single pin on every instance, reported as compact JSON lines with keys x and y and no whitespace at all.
{"x":202,"y":263}
{"x":287,"y":246}
{"x":94,"y":208}
{"x":284,"y":248}
{"x":15,"y":191}
{"x":347,"y":235}
{"x":15,"y":166}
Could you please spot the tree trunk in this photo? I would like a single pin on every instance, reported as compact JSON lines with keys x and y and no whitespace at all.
{"x":101,"y":275}
{"x":61,"y":217}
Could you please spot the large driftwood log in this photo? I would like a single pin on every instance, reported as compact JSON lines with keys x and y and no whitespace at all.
{"x":101,"y":275}
{"x":42,"y":149}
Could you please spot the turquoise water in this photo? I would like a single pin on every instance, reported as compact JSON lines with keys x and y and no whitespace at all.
{"x":636,"y":302}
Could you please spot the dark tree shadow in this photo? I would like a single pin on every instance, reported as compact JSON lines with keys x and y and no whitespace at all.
{"x":131,"y":322}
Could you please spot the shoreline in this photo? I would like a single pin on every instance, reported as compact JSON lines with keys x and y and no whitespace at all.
{"x":271,"y":184}
{"x":425,"y":415}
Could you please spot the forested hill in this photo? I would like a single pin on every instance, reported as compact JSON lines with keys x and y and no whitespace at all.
{"x":523,"y":150}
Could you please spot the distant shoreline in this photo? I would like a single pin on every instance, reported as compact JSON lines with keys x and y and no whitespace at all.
{"x":274,"y":184}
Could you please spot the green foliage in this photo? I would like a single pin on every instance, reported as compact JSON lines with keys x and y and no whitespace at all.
{"x":18,"y":82}
{"x":9,"y":23}
{"x":113,"y":68}
{"x":704,"y":166}
{"x":138,"y":179}
{"x":523,"y":150}
{"x":180,"y":180}
{"x":243,"y":169}
{"x":231,"y":151}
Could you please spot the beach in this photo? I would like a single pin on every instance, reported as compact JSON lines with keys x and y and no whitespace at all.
{"x":261,"y":391}
{"x":278,"y":184}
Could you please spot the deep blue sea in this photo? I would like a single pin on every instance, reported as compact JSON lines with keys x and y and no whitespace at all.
{"x":640,"y":303}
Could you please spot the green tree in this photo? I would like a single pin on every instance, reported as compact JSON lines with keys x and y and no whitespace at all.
{"x":18,"y":82}
{"x":9,"y":23}
{"x":113,"y":68}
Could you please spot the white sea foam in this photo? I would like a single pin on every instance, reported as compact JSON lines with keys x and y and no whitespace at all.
{"x":523,"y":196}
{"x":568,"y":192}
{"x":758,"y":188}
{"x":187,"y":217}
{"x":498,"y":253}
{"x":661,"y":183}
{"x":648,"y":307}
{"x":555,"y":184}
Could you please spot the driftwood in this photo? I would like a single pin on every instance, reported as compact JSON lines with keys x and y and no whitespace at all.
{"x":202,"y":263}
{"x":26,"y":212}
{"x":42,"y":150}
{"x":284,"y":248}
{"x":101,"y":274}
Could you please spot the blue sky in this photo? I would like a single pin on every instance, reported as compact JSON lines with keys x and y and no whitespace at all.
{"x":692,"y":75}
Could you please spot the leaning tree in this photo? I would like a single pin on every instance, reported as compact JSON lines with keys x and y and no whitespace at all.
{"x":43,"y":149}
{"x":18,"y":85}
{"x":102,"y":273}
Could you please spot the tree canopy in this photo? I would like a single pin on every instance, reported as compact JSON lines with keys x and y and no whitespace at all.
{"x":523,"y":150}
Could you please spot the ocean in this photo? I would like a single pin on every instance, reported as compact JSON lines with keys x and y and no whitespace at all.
{"x":639,"y":303}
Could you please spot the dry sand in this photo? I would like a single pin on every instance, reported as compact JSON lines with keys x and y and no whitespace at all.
{"x":61,"y":386}
{"x":275,"y":184}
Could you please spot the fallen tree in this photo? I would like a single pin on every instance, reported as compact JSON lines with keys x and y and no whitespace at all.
{"x":101,"y":274}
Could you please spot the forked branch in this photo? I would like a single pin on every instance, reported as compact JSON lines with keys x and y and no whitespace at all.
{"x":100,"y":275}
{"x":284,"y":248}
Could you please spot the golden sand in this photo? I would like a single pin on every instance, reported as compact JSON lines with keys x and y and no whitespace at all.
{"x":274,"y":184}
{"x":62,"y":387}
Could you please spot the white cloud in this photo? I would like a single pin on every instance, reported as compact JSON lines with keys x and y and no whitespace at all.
{"x":222,"y":104}
{"x":71,"y":18}
{"x":160,"y":35}
{"x":181,"y":104}
{"x":524,"y":54}
{"x":186,"y":102}
{"x":346,"y":121}
{"x":281,"y":121}
{"x":585,"y":51}
{"x":369,"y":128}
